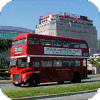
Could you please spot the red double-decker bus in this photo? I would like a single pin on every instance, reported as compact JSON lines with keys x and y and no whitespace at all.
{"x":41,"y":58}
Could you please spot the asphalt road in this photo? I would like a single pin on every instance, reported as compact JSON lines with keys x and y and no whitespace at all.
{"x":74,"y":96}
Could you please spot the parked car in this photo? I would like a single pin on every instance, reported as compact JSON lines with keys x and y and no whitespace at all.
{"x":89,"y":71}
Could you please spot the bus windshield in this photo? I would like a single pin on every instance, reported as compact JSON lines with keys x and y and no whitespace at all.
{"x":13,"y":63}
{"x":20,"y":42}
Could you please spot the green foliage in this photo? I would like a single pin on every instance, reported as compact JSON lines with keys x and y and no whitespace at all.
{"x":95,"y":62}
{"x":91,"y":61}
{"x":98,"y":51}
{"x":5,"y":43}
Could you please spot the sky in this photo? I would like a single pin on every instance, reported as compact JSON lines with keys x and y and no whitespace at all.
{"x":26,"y":13}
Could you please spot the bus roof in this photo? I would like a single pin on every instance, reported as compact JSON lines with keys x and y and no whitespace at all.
{"x":20,"y":36}
{"x":24,"y":35}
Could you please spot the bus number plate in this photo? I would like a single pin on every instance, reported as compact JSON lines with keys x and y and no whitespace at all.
{"x":16,"y":82}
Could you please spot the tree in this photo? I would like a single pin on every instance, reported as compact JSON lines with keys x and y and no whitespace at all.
{"x":91,"y":61}
{"x":95,"y":63}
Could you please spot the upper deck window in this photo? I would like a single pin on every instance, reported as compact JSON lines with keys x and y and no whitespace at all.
{"x":66,"y":43}
{"x":45,"y":42}
{"x":23,"y":41}
{"x":33,"y":41}
{"x":83,"y":45}
{"x":74,"y":44}
{"x":15,"y":43}
{"x":56,"y":43}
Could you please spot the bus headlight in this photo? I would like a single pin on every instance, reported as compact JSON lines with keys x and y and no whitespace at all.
{"x":23,"y":76}
{"x":11,"y":76}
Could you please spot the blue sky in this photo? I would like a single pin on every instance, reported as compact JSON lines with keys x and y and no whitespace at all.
{"x":26,"y":13}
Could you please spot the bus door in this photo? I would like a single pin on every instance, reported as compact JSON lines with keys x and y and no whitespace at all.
{"x":66,"y":70}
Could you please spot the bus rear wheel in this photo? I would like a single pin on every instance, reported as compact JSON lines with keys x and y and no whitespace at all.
{"x":33,"y":81}
{"x":76,"y":79}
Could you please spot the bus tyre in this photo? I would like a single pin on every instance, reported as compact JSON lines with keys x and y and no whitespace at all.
{"x":60,"y":82}
{"x":77,"y":78}
{"x":33,"y":81}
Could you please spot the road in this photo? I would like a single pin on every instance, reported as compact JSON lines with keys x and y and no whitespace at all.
{"x":82,"y":96}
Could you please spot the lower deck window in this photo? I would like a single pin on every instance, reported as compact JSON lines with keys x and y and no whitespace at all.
{"x":46,"y":63}
{"x":36,"y":64}
{"x":57,"y":63}
{"x":71,"y":63}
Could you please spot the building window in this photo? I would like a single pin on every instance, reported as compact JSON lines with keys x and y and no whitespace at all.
{"x":86,"y":27}
{"x":78,"y":26}
{"x":74,"y":25}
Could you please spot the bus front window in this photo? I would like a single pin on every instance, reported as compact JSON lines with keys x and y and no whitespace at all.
{"x":13,"y":63}
{"x":22,"y":63}
{"x":15,"y":43}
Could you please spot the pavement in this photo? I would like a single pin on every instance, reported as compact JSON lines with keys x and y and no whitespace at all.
{"x":94,"y":75}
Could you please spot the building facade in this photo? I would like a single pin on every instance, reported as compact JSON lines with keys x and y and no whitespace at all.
{"x":67,"y":25}
{"x":9,"y":32}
